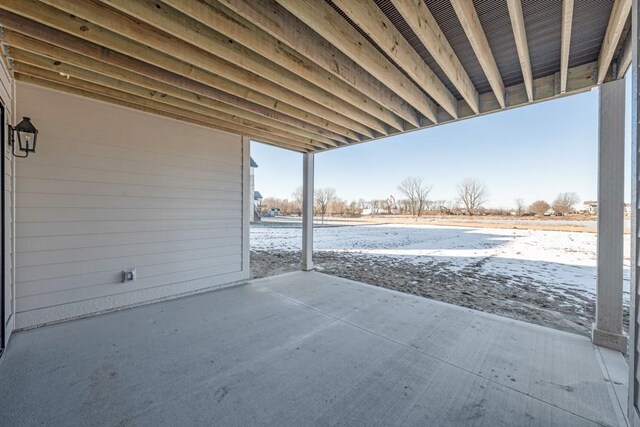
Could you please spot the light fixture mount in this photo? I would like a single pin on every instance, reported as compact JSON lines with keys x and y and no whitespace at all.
{"x":25,"y":134}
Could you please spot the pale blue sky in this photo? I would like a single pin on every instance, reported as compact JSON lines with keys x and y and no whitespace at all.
{"x":533,"y":152}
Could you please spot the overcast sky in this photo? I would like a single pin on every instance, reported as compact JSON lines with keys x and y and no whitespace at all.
{"x":533,"y":152}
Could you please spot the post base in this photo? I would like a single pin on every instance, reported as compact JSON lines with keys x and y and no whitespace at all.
{"x":307,"y":267}
{"x":610,"y":340}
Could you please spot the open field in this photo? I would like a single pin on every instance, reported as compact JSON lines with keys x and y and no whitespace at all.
{"x":540,"y":276}
{"x":578,"y":223}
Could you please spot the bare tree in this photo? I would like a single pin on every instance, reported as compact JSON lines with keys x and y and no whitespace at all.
{"x":390,"y":204}
{"x":520,"y":207}
{"x":324,"y":196}
{"x":539,"y":207}
{"x":297,"y":199}
{"x":565,"y":202}
{"x":416,"y":192}
{"x":473,"y":194}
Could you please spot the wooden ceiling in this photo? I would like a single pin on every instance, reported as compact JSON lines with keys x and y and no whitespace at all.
{"x":313,"y":75}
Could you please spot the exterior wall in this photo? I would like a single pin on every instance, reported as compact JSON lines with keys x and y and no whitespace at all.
{"x":111,"y":188}
{"x":7,"y":89}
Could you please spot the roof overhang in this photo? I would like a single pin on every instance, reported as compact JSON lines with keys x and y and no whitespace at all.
{"x":313,"y":75}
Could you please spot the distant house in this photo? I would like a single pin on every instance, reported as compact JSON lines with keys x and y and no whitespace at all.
{"x":274,"y":211}
{"x":591,"y":207}
{"x":256,"y":201}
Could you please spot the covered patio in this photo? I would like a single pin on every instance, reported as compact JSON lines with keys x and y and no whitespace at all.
{"x":308,"y":349}
{"x":139,"y":192}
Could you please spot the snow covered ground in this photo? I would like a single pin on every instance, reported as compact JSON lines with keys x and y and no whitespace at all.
{"x":554,"y":261}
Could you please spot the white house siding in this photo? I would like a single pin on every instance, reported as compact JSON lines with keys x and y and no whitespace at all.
{"x":111,"y":188}
{"x":7,"y":87}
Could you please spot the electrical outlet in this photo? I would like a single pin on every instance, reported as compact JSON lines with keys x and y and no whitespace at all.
{"x":128,"y":275}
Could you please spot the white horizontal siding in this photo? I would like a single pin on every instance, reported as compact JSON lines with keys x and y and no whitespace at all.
{"x":111,"y":188}
{"x":7,"y":88}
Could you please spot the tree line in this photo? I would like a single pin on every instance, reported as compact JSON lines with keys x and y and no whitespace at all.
{"x":471,"y":197}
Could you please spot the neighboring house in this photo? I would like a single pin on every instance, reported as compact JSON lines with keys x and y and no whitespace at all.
{"x":274,"y":212}
{"x":256,"y":210}
{"x":257,"y":199}
{"x":591,"y":207}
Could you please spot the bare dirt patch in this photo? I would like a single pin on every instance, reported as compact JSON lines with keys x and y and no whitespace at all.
{"x":506,"y":295}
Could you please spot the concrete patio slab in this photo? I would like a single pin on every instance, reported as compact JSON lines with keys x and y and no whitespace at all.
{"x":307,"y":349}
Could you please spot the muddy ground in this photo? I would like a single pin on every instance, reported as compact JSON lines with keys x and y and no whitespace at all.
{"x":509,"y":296}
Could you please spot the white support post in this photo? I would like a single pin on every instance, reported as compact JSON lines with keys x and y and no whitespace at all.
{"x":307,"y":212}
{"x":247,"y":206}
{"x":633,"y":404}
{"x":607,"y":329}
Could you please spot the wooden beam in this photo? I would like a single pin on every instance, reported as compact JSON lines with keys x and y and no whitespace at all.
{"x":520,"y":36}
{"x":424,"y":25}
{"x":470,"y":22}
{"x":381,"y":30}
{"x":186,"y":39}
{"x":324,"y":20}
{"x":565,"y":42}
{"x":279,"y":23}
{"x":56,"y":59}
{"x":625,"y":58}
{"x":580,"y":79}
{"x":213,"y":16}
{"x":617,"y":19}
{"x":141,"y":96}
{"x":156,"y":92}
{"x":237,"y":80}
{"x":184,"y":118}
{"x":124,"y":67}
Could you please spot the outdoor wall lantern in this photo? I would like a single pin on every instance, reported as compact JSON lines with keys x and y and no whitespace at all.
{"x":26,"y":135}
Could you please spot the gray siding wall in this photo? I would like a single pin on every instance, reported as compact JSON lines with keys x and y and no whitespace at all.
{"x":7,"y":88}
{"x":110,"y":188}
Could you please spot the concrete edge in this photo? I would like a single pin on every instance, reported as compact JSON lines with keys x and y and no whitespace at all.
{"x":135,"y":305}
{"x":490,"y":316}
{"x":615,"y":371}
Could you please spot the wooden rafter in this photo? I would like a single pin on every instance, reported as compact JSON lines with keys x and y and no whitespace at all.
{"x":151,"y":107}
{"x":278,"y":22}
{"x":618,"y":18}
{"x":625,"y":58}
{"x":190,"y":41}
{"x":470,"y":22}
{"x":211,"y":70}
{"x":221,"y":19}
{"x":117,"y":89}
{"x":424,"y":25}
{"x":143,"y":86}
{"x":520,"y":36}
{"x":57,"y":59}
{"x":565,"y":42}
{"x":65,"y":47}
{"x":381,"y":30}
{"x":292,"y":73}
{"x":329,"y":24}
